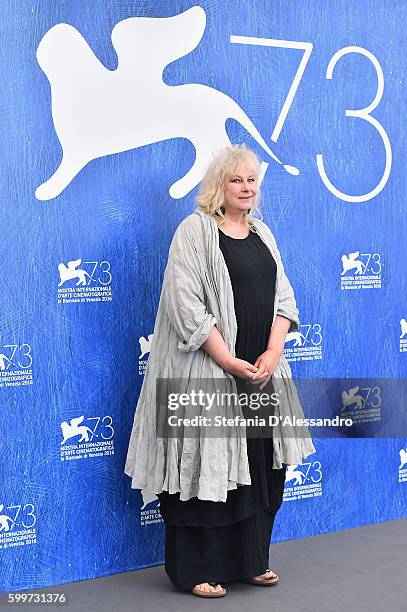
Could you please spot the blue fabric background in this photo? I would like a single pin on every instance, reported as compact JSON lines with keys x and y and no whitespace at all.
{"x":86,"y":356}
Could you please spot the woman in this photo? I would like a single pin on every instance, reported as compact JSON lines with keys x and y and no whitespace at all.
{"x":225,"y":309}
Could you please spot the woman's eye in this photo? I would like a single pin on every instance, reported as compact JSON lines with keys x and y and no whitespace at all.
{"x":237,"y":180}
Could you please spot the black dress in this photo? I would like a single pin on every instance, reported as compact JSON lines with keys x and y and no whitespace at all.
{"x":224,"y":541}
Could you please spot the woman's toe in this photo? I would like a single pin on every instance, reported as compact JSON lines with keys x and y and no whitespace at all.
{"x":269,"y":575}
{"x":209,"y":588}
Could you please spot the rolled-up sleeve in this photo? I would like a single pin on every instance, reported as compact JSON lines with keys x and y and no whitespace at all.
{"x":184,"y":295}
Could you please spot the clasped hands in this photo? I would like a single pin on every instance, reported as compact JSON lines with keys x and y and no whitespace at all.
{"x":260,"y":372}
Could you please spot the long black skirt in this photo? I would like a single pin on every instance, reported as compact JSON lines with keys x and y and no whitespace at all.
{"x":222,"y":542}
{"x":222,"y":554}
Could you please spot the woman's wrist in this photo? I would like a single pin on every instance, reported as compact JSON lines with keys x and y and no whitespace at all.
{"x":226,"y":362}
{"x":276,"y":349}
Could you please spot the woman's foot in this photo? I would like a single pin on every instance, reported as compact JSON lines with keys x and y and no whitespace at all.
{"x":206,"y":589}
{"x":205,"y":586}
{"x":267,"y":579}
{"x":267,"y":576}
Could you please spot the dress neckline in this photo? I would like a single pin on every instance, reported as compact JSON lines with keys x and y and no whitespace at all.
{"x":227,"y":235}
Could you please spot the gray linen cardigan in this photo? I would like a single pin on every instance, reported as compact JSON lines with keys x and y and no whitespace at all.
{"x":196,"y":295}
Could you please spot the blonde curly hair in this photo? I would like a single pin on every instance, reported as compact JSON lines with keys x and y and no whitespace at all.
{"x":210,"y":198}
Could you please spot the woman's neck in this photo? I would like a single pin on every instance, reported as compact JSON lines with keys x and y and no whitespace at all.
{"x":237,"y":221}
{"x":236,"y":228}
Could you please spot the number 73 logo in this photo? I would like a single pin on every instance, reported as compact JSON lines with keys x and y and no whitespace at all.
{"x":362,"y":113}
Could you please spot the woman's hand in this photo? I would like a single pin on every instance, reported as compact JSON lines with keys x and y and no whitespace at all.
{"x":240,"y":368}
{"x":266,"y":364}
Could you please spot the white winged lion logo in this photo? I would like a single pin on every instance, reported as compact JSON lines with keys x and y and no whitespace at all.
{"x":98,"y":112}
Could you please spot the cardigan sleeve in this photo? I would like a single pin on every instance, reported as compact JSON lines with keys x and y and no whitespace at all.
{"x":286,"y":306}
{"x":184,"y":295}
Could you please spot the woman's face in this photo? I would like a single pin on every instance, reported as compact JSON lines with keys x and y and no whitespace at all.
{"x":240,"y":190}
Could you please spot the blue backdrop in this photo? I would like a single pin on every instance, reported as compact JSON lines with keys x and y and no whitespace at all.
{"x":319,"y":84}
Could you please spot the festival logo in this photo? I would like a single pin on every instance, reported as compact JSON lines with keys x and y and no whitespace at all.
{"x":304,"y":344}
{"x":361,"y":271}
{"x":362,"y":404}
{"x":17,"y":525}
{"x":78,"y":438}
{"x":145,"y":347}
{"x":150,"y":515}
{"x":98,"y":112}
{"x":403,"y":336}
{"x":78,"y":284}
{"x":403,"y":465}
{"x":15,"y":365}
{"x":303,"y":481}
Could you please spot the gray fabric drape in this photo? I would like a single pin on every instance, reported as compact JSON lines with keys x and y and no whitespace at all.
{"x":196,"y":295}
